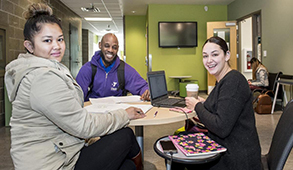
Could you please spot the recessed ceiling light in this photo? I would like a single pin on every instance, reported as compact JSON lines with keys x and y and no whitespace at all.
{"x":97,"y":19}
{"x":133,"y":12}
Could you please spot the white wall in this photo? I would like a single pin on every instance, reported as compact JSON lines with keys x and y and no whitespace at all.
{"x":120,"y":41}
{"x":246,"y":44}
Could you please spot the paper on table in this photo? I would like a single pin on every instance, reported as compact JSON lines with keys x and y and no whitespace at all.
{"x":104,"y":108}
{"x":116,"y":99}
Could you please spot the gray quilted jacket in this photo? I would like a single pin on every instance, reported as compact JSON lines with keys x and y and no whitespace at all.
{"x":49,"y":123}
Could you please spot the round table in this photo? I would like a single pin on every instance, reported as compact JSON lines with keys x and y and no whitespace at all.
{"x":180,"y":157}
{"x":180,"y":77}
{"x":163,"y":116}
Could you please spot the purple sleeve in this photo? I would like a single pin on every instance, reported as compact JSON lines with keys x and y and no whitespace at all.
{"x":134,"y":83}
{"x":84,"y":78}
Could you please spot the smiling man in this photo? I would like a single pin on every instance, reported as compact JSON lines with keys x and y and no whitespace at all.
{"x":107,"y":75}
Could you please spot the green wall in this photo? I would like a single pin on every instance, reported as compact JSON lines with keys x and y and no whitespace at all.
{"x":135,"y":43}
{"x":183,"y":61}
{"x":276,"y":27}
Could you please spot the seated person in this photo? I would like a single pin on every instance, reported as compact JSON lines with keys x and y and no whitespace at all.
{"x":227,"y":113}
{"x":105,"y":81}
{"x":49,"y":125}
{"x":259,"y":75}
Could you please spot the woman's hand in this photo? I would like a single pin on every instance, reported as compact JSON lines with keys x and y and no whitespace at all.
{"x":145,"y":96}
{"x":191,"y":102}
{"x":135,"y":113}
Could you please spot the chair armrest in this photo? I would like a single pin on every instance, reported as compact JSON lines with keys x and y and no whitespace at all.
{"x":258,"y":90}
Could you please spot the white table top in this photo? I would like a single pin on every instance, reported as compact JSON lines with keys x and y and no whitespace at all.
{"x":164,"y":116}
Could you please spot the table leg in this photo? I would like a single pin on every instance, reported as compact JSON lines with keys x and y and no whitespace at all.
{"x":139,"y":138}
{"x":285,"y":95}
{"x":168,"y":165}
{"x":275,"y":98}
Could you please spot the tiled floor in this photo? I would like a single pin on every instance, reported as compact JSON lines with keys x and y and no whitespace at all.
{"x":265,"y":126}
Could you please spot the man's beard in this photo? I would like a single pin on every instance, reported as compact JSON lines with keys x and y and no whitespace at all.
{"x":108,"y":63}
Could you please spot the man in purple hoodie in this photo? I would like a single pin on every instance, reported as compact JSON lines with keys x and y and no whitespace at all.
{"x":105,"y":82}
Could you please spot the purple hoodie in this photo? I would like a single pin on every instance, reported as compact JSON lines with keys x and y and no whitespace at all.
{"x":106,"y":84}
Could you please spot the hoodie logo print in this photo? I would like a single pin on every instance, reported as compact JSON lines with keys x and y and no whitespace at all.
{"x":113,"y":88}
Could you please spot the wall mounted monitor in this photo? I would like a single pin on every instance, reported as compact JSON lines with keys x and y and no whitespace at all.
{"x":177,"y":34}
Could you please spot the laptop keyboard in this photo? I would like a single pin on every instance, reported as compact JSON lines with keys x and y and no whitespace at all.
{"x":169,"y":101}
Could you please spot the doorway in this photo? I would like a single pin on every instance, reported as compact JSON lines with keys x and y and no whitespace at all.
{"x":2,"y":71}
{"x":74,"y":58}
{"x":249,"y":42}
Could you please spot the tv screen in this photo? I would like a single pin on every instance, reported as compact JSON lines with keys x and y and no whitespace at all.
{"x":177,"y":34}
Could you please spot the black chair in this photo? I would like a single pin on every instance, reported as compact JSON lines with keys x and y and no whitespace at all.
{"x":282,"y":141}
{"x":273,"y":78}
{"x":280,"y":91}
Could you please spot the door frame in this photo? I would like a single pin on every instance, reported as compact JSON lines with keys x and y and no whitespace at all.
{"x":256,"y":31}
{"x":6,"y":104}
{"x":256,"y":34}
{"x":72,"y":44}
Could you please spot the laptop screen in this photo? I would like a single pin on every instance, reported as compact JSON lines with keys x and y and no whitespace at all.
{"x":157,"y":84}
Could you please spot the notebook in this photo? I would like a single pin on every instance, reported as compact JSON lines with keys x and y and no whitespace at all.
{"x":159,"y":93}
{"x":196,"y":144}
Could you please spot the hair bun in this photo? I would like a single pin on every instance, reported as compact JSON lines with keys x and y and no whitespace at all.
{"x":38,"y":9}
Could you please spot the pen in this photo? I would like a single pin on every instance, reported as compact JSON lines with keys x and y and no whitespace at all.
{"x":155,"y":113}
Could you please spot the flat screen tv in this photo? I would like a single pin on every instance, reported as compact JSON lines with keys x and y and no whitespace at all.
{"x":177,"y":34}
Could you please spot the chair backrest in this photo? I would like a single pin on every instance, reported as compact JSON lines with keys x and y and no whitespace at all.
{"x":273,"y":78}
{"x":282,"y":141}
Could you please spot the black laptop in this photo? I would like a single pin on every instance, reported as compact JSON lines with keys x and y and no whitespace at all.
{"x":159,"y":92}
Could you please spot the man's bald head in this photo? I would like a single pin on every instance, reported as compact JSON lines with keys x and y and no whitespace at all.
{"x":109,"y":47}
{"x":109,"y":35}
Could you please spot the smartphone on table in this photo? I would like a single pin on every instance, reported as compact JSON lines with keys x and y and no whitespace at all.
{"x":168,"y":146}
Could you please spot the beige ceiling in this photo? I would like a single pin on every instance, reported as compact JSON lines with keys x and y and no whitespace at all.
{"x":115,"y":9}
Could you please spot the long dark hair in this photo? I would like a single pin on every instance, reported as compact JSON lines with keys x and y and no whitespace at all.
{"x":217,"y":40}
{"x":255,"y":64}
{"x":36,"y":15}
{"x":253,"y":60}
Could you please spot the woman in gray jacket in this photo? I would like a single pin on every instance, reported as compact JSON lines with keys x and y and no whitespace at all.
{"x":260,"y":75}
{"x":49,"y":124}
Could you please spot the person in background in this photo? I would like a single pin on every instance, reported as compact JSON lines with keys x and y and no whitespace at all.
{"x":105,"y":81}
{"x":227,"y":112}
{"x":49,"y":124}
{"x":259,"y":75}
